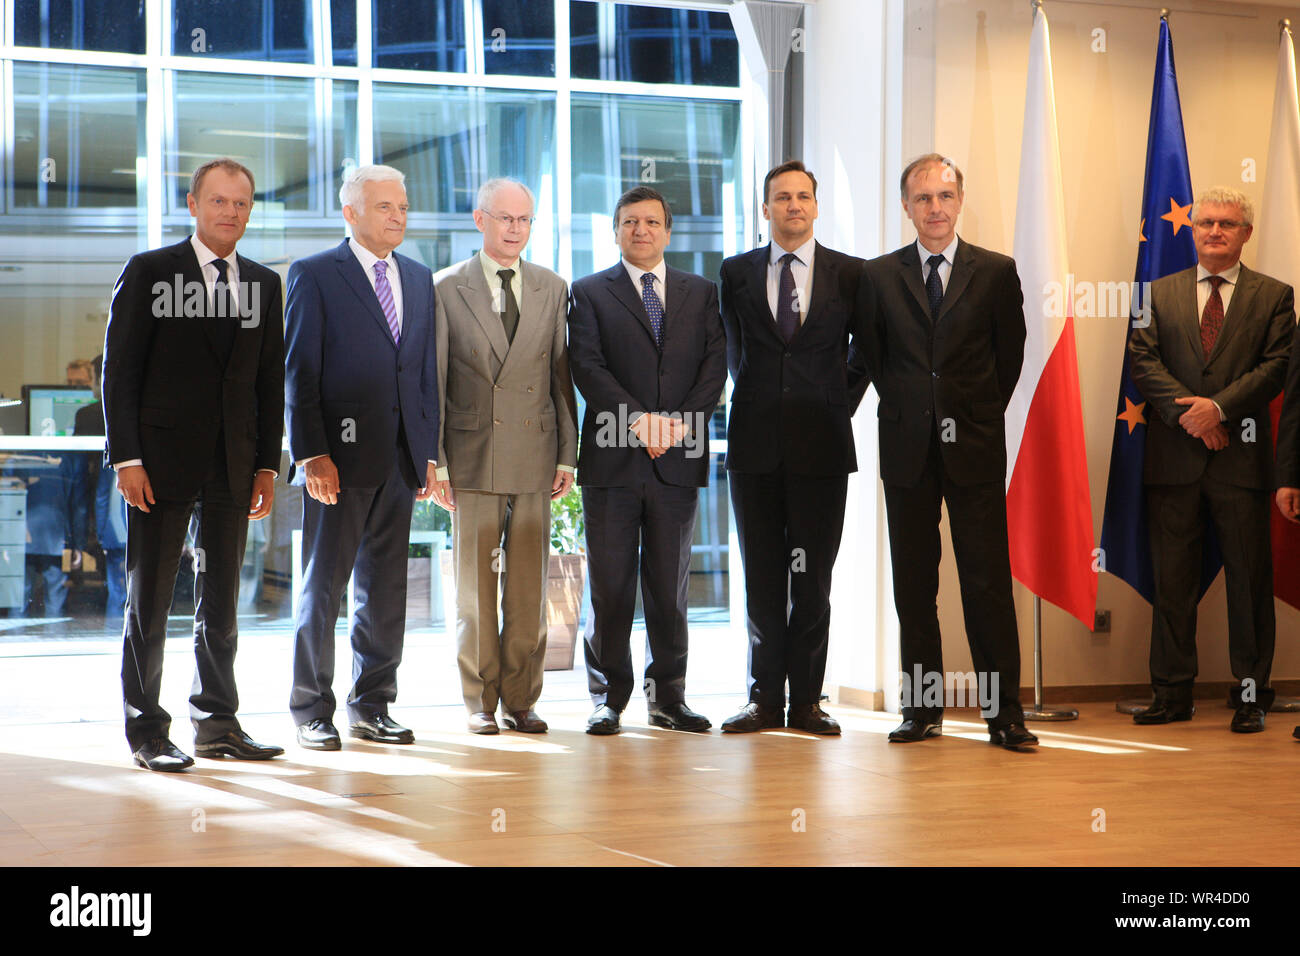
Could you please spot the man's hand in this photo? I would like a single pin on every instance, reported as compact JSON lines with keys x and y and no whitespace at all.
{"x":430,"y":480}
{"x":444,"y":495}
{"x":1288,"y":502}
{"x":1216,"y":439}
{"x":323,"y":480}
{"x":133,"y":484}
{"x":658,"y":433}
{"x":259,"y":506}
{"x":1201,"y":417}
{"x":562,"y":483}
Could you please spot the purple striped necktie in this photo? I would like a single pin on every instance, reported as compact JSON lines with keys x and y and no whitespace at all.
{"x":385,"y":293}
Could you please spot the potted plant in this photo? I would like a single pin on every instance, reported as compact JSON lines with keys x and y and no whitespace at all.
{"x":566,"y":577}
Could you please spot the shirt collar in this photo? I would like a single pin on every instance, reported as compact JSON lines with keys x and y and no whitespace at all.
{"x":368,"y":258}
{"x":949,"y":251}
{"x":206,"y":255}
{"x":491,"y":267}
{"x":1228,"y":275}
{"x":660,"y":272}
{"x":804,"y":253}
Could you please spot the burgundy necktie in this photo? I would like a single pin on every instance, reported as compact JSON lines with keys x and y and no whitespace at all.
{"x":1212,"y":318}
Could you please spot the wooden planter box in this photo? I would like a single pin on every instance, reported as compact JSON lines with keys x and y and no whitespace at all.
{"x":566,"y":576}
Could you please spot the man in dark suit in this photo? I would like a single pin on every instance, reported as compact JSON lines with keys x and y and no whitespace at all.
{"x":1209,"y":362}
{"x":97,"y":496}
{"x":1287,"y":472}
{"x":361,"y":393}
{"x":946,"y":336}
{"x":789,"y":310}
{"x":648,"y":354}
{"x":193,"y":398}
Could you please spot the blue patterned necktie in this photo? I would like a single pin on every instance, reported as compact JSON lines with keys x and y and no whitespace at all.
{"x":934,"y":287}
{"x":787,"y":318}
{"x":653,"y":307}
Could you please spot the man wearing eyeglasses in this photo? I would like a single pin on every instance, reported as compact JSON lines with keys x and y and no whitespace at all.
{"x":507,"y":448}
{"x":1209,"y":362}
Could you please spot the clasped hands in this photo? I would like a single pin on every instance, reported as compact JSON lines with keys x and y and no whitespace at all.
{"x":1201,"y":420}
{"x":658,"y":433}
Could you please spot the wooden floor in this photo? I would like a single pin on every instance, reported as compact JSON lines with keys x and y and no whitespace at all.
{"x":1185,"y":794}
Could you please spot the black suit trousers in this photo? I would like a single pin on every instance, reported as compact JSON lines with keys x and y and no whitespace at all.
{"x":651,"y":525}
{"x":154,"y":545}
{"x":977,"y":519}
{"x":789,"y":527}
{"x":1177,"y":519}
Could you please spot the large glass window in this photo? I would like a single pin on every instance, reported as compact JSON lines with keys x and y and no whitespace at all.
{"x":250,"y":29}
{"x":428,"y":35}
{"x":652,"y":44}
{"x":519,"y":37}
{"x":110,"y":25}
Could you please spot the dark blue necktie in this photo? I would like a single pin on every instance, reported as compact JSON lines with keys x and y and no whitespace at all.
{"x":222,"y":304}
{"x":787,"y":317}
{"x":653,"y":307}
{"x":934,"y":287}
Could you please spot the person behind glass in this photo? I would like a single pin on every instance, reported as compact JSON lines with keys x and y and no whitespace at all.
{"x":101,"y":499}
{"x":945,"y":340}
{"x":193,"y":407}
{"x":361,"y":402}
{"x":508,"y":449}
{"x":1209,"y":362}
{"x":649,"y":357}
{"x":789,"y":310}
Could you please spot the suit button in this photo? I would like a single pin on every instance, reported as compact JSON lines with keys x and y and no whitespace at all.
{"x":933,"y":373}
{"x":473,"y":351}
{"x":786,"y":389}
{"x":496,"y":421}
{"x":787,"y":355}
{"x":496,"y":388}
{"x":528,"y":421}
{"x":531,"y":389}
{"x":543,"y":355}
{"x":926,"y":413}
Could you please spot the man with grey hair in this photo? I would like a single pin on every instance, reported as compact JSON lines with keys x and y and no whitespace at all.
{"x":1209,"y":362}
{"x":361,"y":402}
{"x":507,"y":448}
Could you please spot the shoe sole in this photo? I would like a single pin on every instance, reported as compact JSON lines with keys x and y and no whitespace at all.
{"x":1247,"y":730}
{"x":510,"y":725}
{"x":220,"y":752}
{"x":603,"y":731}
{"x":933,"y":732}
{"x":334,"y":744}
{"x":669,"y":725}
{"x":819,"y":733}
{"x":366,"y":735}
{"x":485,"y":731}
{"x":141,"y":762}
{"x":1158,"y":723}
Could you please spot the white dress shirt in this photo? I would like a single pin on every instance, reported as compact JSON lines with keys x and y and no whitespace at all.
{"x":802,"y":269}
{"x":368,"y":260}
{"x":945,"y":267}
{"x":495,"y":286}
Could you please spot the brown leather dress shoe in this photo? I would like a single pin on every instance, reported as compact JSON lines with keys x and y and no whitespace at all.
{"x":754,"y":718}
{"x":483,"y":723}
{"x":524,"y":721}
{"x":811,"y":719}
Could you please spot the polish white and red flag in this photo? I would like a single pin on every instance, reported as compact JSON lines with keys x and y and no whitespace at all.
{"x":1049,"y":507}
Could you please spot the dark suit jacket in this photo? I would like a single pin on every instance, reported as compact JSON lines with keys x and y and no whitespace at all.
{"x":1243,"y":374}
{"x":962,"y":368}
{"x":792,"y":404}
{"x":167,"y":388}
{"x":1287,"y":473}
{"x":616,"y":364}
{"x":348,"y":386}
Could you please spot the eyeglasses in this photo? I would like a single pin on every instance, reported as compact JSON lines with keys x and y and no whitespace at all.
{"x":524,"y":222}
{"x":1227,"y":225}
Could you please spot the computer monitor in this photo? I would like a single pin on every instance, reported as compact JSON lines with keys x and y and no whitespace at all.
{"x":52,"y":409}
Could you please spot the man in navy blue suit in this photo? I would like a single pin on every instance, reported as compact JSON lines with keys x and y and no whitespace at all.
{"x":361,"y":403}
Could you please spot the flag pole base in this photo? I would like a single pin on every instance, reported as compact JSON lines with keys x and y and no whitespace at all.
{"x":1133,"y":705}
{"x":1051,"y":713}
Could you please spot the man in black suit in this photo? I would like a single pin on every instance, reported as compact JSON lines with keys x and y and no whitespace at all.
{"x":1209,"y":362}
{"x":1287,"y":472}
{"x":789,"y":310}
{"x":647,"y":351}
{"x":946,"y":336}
{"x":193,"y":398}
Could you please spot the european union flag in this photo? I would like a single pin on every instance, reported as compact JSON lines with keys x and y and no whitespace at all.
{"x":1165,"y":246}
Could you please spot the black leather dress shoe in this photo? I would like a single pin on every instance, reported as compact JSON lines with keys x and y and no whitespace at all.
{"x":754,"y":718}
{"x":381,"y":729}
{"x":162,"y":755}
{"x":319,"y":734}
{"x":1012,"y":736}
{"x":483,"y":723}
{"x":524,"y":721}
{"x":910,"y":731}
{"x":239,"y":745}
{"x":1163,"y":712}
{"x":811,"y":719}
{"x":604,"y":722}
{"x":679,"y":717}
{"x":1249,"y":719}
{"x":1296,"y":733}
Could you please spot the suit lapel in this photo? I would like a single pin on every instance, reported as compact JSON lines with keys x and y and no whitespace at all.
{"x":1191,"y":314}
{"x":909,"y":267}
{"x":355,"y":276}
{"x":412,"y":300}
{"x":825,"y":286}
{"x":1246,"y":286}
{"x":963,"y":268}
{"x":620,"y":285}
{"x":678,"y":290}
{"x":474,"y":291}
{"x":758,"y":283}
{"x":192,"y":271}
{"x":246,"y":336}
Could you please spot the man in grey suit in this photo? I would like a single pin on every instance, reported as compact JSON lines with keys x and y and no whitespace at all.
{"x":1209,"y":362}
{"x":508,"y":446}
